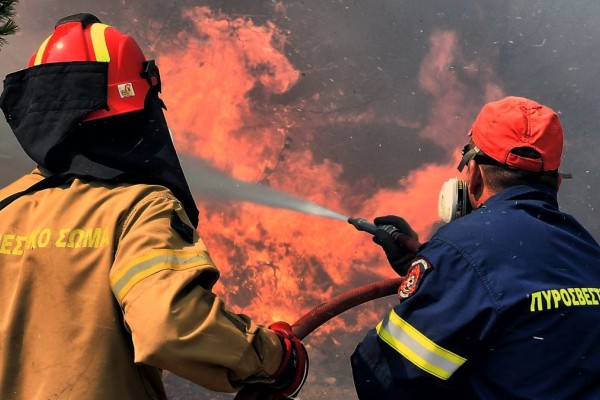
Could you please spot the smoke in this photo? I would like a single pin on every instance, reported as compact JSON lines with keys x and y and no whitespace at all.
{"x":357,"y":107}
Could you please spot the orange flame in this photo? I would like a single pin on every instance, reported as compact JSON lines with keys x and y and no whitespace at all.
{"x":278,"y":264}
{"x":208,"y":81}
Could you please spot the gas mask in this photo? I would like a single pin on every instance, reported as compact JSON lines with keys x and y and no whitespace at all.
{"x":453,"y":201}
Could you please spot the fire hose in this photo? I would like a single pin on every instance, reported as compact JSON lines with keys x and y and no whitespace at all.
{"x":347,"y":300}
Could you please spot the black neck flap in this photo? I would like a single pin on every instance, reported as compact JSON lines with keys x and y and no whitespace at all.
{"x":44,"y":106}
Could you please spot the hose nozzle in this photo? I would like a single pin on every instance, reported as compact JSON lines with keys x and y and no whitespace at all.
{"x":363,"y":225}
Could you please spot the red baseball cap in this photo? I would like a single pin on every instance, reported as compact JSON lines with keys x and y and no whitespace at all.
{"x":515,"y":122}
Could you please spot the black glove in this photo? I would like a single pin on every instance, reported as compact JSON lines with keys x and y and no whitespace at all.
{"x":398,"y":256}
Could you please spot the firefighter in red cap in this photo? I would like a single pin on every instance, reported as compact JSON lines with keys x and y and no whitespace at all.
{"x":503,"y":302}
{"x":104,"y":280}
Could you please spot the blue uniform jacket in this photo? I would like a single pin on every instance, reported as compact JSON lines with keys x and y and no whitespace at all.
{"x":503,"y":303}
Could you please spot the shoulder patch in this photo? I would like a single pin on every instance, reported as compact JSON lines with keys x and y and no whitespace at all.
{"x":413,"y":278}
{"x":186,"y":231}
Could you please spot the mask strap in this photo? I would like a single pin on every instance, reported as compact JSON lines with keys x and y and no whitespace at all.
{"x":468,"y":156}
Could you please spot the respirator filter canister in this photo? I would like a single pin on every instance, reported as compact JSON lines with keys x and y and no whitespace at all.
{"x":453,"y":201}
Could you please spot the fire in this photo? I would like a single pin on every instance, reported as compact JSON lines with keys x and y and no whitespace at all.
{"x":281,"y":266}
{"x":278,"y":264}
{"x":207,"y":83}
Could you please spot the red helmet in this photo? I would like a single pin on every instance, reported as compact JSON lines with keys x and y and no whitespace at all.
{"x":82,"y":37}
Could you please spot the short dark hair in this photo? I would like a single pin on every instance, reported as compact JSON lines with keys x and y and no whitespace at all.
{"x":500,"y":176}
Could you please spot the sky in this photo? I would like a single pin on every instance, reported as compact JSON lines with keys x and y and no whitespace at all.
{"x":358,"y":107}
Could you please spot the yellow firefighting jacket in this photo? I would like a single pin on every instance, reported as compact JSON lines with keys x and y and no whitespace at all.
{"x":102,"y":286}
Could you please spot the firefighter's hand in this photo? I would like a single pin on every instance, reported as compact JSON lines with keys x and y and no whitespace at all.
{"x":398,"y":256}
{"x":293,"y":370}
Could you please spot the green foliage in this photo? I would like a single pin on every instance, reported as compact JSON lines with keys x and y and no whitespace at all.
{"x":7,"y":24}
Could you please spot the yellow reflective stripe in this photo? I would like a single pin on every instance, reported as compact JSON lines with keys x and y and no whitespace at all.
{"x":40,"y":52}
{"x":153,"y":262}
{"x":99,"y":42}
{"x":417,"y":348}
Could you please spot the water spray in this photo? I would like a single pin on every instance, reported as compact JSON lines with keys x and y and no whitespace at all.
{"x":213,"y":183}
{"x":209,"y":182}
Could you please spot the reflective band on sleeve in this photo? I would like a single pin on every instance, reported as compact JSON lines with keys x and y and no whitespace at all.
{"x":99,"y":42}
{"x":417,"y":348}
{"x":40,"y":52}
{"x":151,"y":263}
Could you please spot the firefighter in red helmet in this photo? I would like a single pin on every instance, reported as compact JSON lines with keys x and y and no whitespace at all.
{"x":104,"y":279}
